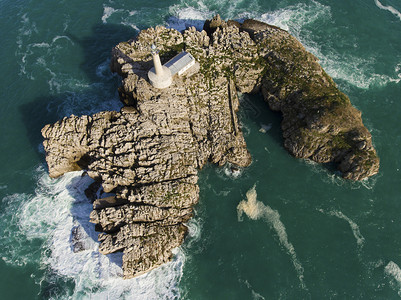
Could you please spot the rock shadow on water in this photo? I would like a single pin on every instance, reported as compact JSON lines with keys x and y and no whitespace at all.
{"x":35,"y":115}
{"x":183,"y":24}
{"x":47,"y":109}
{"x":97,"y":47}
{"x":255,"y":110}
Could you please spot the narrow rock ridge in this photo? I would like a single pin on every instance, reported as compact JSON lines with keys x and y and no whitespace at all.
{"x":148,"y":154}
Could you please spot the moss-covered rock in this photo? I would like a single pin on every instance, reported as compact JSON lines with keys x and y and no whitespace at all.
{"x":319,"y":122}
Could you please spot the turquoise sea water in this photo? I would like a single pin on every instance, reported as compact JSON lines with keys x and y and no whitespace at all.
{"x":312,"y":234}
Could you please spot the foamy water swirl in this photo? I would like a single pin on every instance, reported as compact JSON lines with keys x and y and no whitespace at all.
{"x":256,"y":210}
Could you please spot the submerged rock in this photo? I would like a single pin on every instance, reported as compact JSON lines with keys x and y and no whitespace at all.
{"x":148,"y":154}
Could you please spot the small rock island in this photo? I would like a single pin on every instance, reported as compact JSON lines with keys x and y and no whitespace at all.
{"x":148,"y":154}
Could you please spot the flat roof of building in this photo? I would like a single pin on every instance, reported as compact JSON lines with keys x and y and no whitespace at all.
{"x":179,"y":62}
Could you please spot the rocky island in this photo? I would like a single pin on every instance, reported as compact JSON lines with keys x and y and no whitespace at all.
{"x":148,"y":154}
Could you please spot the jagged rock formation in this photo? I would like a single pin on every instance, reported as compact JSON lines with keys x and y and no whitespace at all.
{"x":148,"y":154}
{"x":319,"y":121}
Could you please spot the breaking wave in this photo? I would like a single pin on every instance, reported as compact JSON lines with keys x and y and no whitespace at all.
{"x":58,"y":208}
{"x":183,"y":18}
{"x":256,"y":210}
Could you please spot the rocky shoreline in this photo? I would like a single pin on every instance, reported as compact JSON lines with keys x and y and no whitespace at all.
{"x":148,"y":154}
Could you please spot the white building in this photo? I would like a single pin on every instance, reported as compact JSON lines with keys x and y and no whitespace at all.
{"x":180,"y":63}
{"x":161,"y":76}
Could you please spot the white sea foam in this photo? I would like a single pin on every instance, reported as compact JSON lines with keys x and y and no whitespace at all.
{"x":398,"y":70}
{"x":293,"y":18}
{"x":255,"y":295}
{"x":40,"y":45}
{"x":368,"y":183}
{"x":327,"y":175}
{"x":14,"y":247}
{"x":63,"y":83}
{"x":194,"y":13}
{"x":194,"y":232}
{"x":28,"y":27}
{"x":255,"y":210}
{"x":58,"y":206}
{"x":193,"y":9}
{"x":183,"y":18}
{"x":25,"y":31}
{"x":125,"y":17}
{"x":38,"y":58}
{"x":354,"y":70}
{"x":393,"y":270}
{"x":129,"y":24}
{"x":107,"y":12}
{"x":389,"y":8}
{"x":335,"y":178}
{"x":232,"y":172}
{"x":360,"y":240}
{"x":60,"y":37}
{"x":191,"y":13}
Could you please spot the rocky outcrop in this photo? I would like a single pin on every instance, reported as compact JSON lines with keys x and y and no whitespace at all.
{"x":319,"y":121}
{"x":148,"y":154}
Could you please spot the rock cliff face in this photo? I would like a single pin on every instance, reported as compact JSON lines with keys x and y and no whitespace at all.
{"x":148,"y":154}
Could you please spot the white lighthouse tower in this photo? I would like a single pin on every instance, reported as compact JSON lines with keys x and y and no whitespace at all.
{"x":159,"y":76}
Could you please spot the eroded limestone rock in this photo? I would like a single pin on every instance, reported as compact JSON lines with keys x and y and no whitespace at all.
{"x":148,"y":154}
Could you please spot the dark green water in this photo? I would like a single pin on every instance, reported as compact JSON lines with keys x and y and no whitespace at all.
{"x":313,"y":235}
